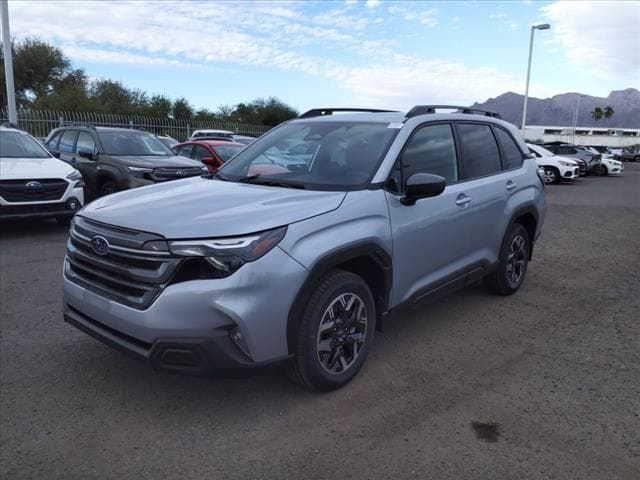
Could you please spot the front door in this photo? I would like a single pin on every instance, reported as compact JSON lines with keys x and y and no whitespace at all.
{"x":430,"y":238}
{"x":88,"y":167}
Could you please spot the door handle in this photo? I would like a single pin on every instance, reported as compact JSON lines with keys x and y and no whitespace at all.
{"x":510,"y":185}
{"x":463,"y":200}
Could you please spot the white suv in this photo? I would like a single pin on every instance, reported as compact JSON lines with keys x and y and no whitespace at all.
{"x":556,"y":168}
{"x":608,"y":164}
{"x":33,"y":183}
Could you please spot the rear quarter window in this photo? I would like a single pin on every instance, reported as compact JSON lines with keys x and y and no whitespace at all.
{"x":512,"y":157}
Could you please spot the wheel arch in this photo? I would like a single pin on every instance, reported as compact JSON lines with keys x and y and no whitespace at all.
{"x":368,"y":260}
{"x":528,"y":218}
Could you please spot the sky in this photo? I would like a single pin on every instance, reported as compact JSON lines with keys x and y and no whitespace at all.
{"x":357,"y":53}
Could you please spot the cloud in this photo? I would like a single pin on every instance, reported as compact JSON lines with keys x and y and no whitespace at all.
{"x":373,"y":3}
{"x":498,"y":15}
{"x":425,"y":18}
{"x":600,"y":37}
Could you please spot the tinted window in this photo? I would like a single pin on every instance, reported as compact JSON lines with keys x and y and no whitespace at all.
{"x":85,"y":142}
{"x":511,"y":154}
{"x":431,"y":150}
{"x":185,"y":151}
{"x":53,"y":143}
{"x":200,"y":152}
{"x":479,"y":150}
{"x":132,"y":142}
{"x":67,"y":140}
{"x":565,"y":150}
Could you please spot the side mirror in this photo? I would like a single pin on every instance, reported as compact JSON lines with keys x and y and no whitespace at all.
{"x":207,"y":160}
{"x":86,"y":153}
{"x":422,"y":185}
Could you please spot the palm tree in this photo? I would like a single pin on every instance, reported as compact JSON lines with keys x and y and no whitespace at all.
{"x":597,"y":114}
{"x":608,"y":112}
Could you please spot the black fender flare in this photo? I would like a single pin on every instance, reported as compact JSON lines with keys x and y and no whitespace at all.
{"x":368,"y":249}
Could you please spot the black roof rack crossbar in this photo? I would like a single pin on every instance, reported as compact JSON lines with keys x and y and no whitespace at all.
{"x":423,"y":109}
{"x":319,"y":112}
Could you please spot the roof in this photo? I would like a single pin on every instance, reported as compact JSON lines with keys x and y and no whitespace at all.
{"x":211,"y":143}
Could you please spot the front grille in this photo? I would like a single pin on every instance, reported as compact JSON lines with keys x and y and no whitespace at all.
{"x":128,"y":273}
{"x":30,"y":190}
{"x":174,"y":173}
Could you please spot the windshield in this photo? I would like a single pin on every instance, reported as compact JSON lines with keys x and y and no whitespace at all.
{"x":14,"y":144}
{"x":132,"y":142}
{"x":225,"y":152}
{"x":168,"y":141}
{"x":323,"y":155}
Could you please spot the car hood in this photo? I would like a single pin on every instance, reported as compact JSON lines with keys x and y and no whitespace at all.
{"x":200,"y":207}
{"x":156,"y":162}
{"x":567,"y":159}
{"x":28,"y":168}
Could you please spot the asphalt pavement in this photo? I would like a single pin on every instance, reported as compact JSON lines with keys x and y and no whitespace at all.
{"x":542,"y":384}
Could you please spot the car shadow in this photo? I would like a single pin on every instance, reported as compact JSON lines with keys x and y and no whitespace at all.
{"x":30,"y":227}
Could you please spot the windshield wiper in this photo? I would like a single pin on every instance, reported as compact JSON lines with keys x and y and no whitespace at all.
{"x":254,"y":179}
{"x":217,"y":176}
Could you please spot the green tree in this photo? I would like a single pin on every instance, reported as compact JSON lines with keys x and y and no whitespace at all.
{"x":182,"y":109}
{"x":159,"y":106}
{"x":608,"y":112}
{"x":597,"y":114}
{"x":110,"y":96}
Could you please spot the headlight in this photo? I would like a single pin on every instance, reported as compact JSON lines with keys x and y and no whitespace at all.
{"x":565,"y":163}
{"x":223,"y":256}
{"x":139,"y":172}
{"x":76,"y":177}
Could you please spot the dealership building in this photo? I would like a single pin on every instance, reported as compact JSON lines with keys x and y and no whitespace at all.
{"x":610,"y":137}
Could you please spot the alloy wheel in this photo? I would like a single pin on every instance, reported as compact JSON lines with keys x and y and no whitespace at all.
{"x":342,"y":333}
{"x":517,"y":260}
{"x":549,"y":176}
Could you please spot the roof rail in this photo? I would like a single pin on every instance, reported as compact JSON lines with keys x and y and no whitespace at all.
{"x":423,"y":109}
{"x":76,"y":125}
{"x":319,"y":112}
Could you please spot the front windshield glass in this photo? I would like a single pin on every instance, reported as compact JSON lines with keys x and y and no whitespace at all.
{"x":132,"y":142}
{"x":323,"y":155}
{"x":225,"y":152}
{"x":14,"y":144}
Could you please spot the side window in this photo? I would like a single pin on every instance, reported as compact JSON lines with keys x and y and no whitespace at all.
{"x":479,"y":150}
{"x":67,"y":140}
{"x":53,"y":143}
{"x":431,"y":149}
{"x":185,"y":151}
{"x":85,"y":142}
{"x":200,"y":152}
{"x":511,"y":155}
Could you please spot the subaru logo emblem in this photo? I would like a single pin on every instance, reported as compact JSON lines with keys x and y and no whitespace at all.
{"x":33,"y":185}
{"x":180,"y":173}
{"x":99,"y":245}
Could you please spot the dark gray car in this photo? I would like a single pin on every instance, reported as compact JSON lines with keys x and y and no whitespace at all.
{"x":113,"y":159}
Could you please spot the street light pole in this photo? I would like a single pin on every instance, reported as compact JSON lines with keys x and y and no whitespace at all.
{"x":8,"y":62}
{"x":542,"y":26}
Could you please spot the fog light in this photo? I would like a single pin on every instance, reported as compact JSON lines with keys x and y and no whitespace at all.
{"x":238,"y":339}
{"x":73,"y":204}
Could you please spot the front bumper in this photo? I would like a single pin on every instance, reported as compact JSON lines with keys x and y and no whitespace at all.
{"x":569,"y":173}
{"x":66,"y":208}
{"x":198,"y":317}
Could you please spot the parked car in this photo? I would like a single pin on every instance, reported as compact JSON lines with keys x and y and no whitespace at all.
{"x":630,"y":154}
{"x":244,"y":139}
{"x":213,"y":153}
{"x":112,"y":159}
{"x":33,"y":183}
{"x":608,"y":164}
{"x":556,"y":168}
{"x":211,"y":133}
{"x":586,"y":159}
{"x":234,"y":271}
{"x":167,"y":140}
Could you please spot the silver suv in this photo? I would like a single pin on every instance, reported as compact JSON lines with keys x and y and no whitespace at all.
{"x":301,"y":258}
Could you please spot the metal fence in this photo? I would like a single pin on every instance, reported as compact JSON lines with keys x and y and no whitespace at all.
{"x":40,"y":122}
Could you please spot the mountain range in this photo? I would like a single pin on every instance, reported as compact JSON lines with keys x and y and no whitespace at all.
{"x":559,"y":110}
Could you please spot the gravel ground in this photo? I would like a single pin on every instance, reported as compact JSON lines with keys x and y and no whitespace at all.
{"x":543,"y":384}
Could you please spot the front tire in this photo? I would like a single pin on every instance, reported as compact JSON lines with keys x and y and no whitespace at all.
{"x":335,"y":332}
{"x":107,"y":188}
{"x":512,"y":262}
{"x":551,"y":175}
{"x":602,"y":171}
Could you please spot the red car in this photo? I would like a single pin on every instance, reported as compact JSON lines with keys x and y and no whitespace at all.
{"x":213,"y":153}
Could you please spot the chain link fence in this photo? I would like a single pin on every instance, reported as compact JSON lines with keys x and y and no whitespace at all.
{"x":40,"y":122}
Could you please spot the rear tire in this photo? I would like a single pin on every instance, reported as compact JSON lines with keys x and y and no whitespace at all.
{"x":335,"y":332}
{"x":512,"y":262}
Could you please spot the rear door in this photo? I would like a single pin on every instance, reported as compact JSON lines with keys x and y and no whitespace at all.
{"x":488,"y":188}
{"x":67,"y":145}
{"x":430,"y":238}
